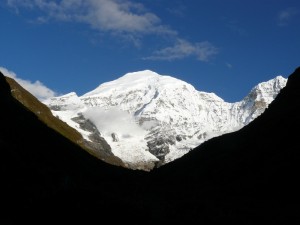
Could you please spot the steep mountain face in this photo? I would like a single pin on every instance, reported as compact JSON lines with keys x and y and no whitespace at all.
{"x":150,"y":120}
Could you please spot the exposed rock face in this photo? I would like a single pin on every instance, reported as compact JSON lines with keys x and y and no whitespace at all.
{"x":152,"y":119}
{"x":115,"y":137}
{"x":97,"y":143}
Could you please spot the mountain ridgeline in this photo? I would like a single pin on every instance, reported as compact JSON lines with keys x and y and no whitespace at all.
{"x":242,"y":177}
{"x":150,"y":119}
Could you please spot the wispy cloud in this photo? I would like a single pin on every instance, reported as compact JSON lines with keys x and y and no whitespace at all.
{"x":104,"y":15}
{"x":178,"y":9}
{"x":285,"y":16}
{"x":125,"y":18}
{"x":236,"y":28}
{"x":203,"y":51}
{"x":38,"y":89}
{"x":228,"y":65}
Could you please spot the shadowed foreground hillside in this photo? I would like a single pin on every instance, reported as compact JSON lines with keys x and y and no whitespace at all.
{"x":99,"y":149}
{"x":245,"y":177}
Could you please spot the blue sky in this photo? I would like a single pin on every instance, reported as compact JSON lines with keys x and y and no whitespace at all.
{"x":220,"y":46}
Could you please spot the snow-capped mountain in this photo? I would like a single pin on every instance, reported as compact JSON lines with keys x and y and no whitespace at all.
{"x":150,"y":120}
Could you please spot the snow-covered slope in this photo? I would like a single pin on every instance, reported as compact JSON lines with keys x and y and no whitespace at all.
{"x":149,"y":119}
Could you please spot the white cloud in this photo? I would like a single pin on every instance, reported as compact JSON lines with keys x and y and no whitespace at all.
{"x":117,"y":16}
{"x":182,"y":49}
{"x":36,"y":88}
{"x":113,"y":120}
{"x":285,"y":16}
{"x":121,"y":16}
{"x":124,"y":18}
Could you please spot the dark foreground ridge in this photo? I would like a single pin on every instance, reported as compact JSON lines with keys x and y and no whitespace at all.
{"x":246,"y":177}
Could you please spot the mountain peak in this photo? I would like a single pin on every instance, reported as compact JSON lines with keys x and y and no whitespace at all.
{"x":267,"y":91}
{"x":145,"y":79}
{"x":150,"y":119}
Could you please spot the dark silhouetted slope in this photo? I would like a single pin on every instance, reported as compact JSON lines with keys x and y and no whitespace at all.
{"x":246,"y":177}
{"x":40,"y":167}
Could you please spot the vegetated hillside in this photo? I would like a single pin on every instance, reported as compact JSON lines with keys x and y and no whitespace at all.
{"x":245,"y":177}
